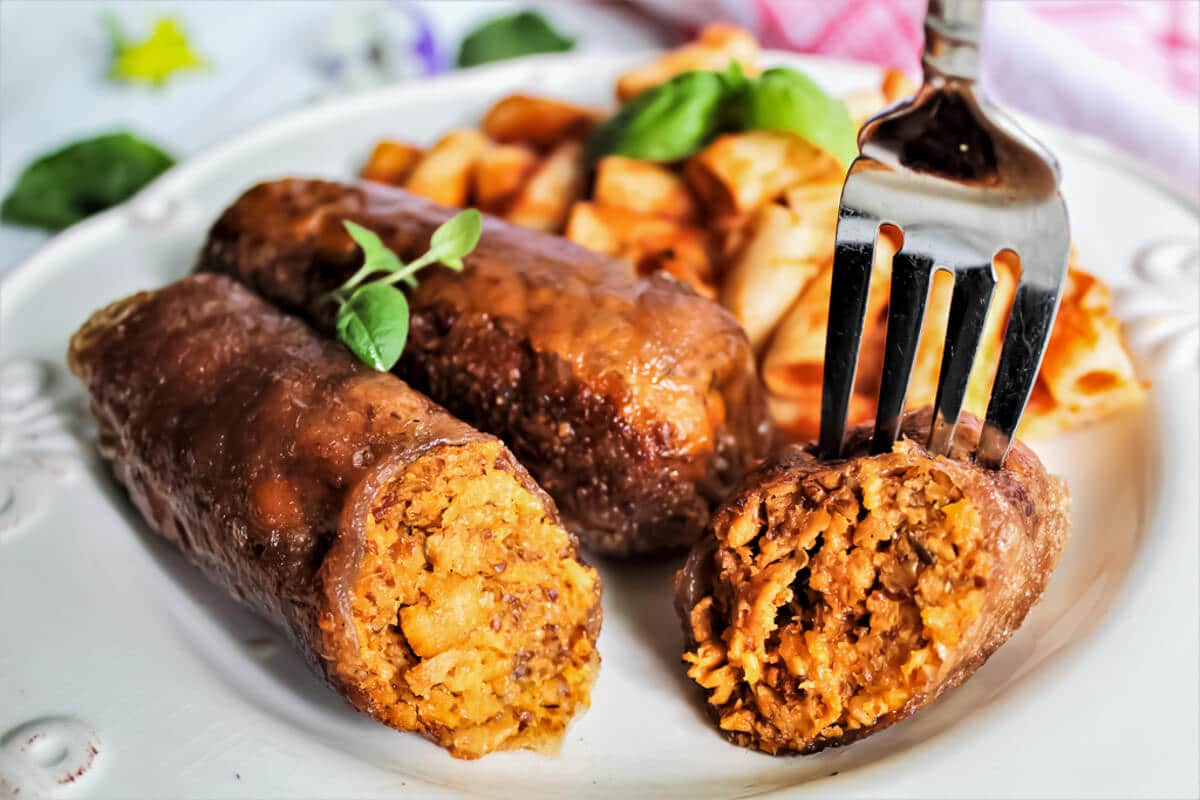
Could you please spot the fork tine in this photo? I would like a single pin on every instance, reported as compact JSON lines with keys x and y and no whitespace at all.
{"x":852,"y":258}
{"x":911,"y":274}
{"x":1043,"y":269}
{"x":973,"y":288}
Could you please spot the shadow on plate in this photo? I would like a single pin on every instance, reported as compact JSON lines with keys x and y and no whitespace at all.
{"x":230,"y":637}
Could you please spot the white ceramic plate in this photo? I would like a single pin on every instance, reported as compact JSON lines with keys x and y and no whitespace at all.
{"x":124,"y":674}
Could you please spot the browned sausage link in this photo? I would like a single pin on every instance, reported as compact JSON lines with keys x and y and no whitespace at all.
{"x":633,"y":402}
{"x":831,"y":600}
{"x":414,"y":561}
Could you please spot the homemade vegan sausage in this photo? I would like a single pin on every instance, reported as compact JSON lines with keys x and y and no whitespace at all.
{"x":832,"y":599}
{"x":633,"y":402}
{"x":415,"y":563}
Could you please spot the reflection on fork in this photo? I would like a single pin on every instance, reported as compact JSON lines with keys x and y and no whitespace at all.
{"x":962,"y":183}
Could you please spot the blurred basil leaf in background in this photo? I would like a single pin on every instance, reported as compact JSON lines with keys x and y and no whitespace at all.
{"x":510,"y":36}
{"x":163,"y":53}
{"x":787,"y":100}
{"x":81,"y":179}
{"x":666,"y":123}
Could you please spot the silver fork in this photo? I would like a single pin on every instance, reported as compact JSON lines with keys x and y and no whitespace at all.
{"x":962,"y":182}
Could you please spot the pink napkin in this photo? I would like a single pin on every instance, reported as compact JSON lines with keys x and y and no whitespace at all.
{"x":1127,"y":71}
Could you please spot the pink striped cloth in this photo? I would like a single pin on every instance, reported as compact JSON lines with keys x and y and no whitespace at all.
{"x":1124,"y":70}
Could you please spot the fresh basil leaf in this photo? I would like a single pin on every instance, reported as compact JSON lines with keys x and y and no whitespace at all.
{"x":373,"y":323}
{"x":155,"y":59}
{"x":455,"y":238}
{"x":734,"y":76}
{"x":377,"y":256}
{"x":784,"y":99}
{"x":666,"y":123}
{"x":81,"y":179}
{"x":515,"y":35}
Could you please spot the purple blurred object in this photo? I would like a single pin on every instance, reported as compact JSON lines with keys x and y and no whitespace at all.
{"x":360,"y":47}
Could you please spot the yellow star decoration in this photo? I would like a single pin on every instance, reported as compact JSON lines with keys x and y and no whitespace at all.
{"x":165,"y":52}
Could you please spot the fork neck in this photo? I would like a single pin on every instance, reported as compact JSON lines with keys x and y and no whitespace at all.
{"x":952,"y":40}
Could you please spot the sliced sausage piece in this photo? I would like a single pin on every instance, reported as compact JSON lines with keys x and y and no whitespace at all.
{"x":830,"y":600}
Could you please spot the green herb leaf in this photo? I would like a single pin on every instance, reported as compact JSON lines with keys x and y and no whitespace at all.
{"x":163,"y":53}
{"x":373,"y":323}
{"x":734,"y":76}
{"x":63,"y":187}
{"x":373,"y":320}
{"x":784,"y":99}
{"x":377,"y":257}
{"x":456,"y":237}
{"x":515,"y":35}
{"x":666,"y":123}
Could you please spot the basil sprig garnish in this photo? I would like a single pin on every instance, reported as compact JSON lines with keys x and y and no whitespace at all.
{"x":372,"y":318}
{"x":675,"y":119}
{"x":787,"y":100}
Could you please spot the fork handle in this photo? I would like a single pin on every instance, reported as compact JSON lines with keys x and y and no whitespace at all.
{"x":952,"y":40}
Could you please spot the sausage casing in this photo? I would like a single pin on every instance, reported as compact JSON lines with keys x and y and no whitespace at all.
{"x":415,"y":563}
{"x":832,"y":599}
{"x":633,"y":402}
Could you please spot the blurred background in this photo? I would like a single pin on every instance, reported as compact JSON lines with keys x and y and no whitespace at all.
{"x":185,"y":75}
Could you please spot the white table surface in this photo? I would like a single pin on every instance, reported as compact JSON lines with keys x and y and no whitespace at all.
{"x":54,"y":56}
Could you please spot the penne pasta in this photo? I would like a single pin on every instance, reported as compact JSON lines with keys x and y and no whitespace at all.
{"x":783,"y":253}
{"x":538,"y":121}
{"x":717,"y":45}
{"x":650,"y":243}
{"x":1086,"y":369}
{"x":739,"y":172}
{"x":643,"y":187}
{"x":391,"y":162}
{"x":922,"y":384}
{"x":864,"y":104}
{"x":444,"y":173}
{"x":794,"y":358}
{"x":896,"y":85}
{"x":499,"y":173}
{"x":983,"y":371}
{"x":546,"y":198}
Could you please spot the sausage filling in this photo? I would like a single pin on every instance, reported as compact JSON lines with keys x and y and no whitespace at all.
{"x":836,"y":601}
{"x":476,"y":623}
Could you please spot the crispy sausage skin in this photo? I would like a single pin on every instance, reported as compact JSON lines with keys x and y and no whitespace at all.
{"x":633,"y":402}
{"x":830,"y":600}
{"x":414,"y":562}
